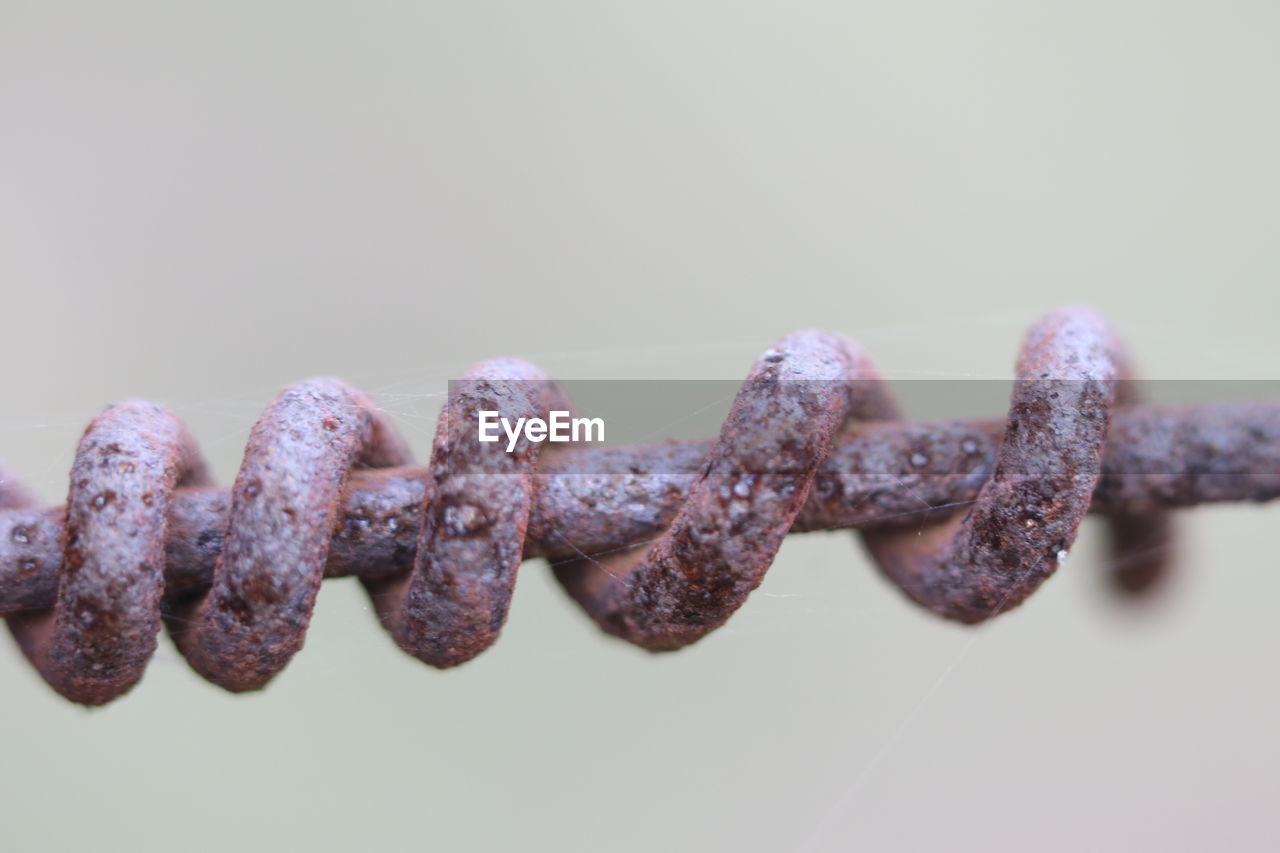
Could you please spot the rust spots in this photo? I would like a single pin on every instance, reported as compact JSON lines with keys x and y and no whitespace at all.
{"x":113,"y":562}
{"x":283,"y":514}
{"x":453,"y":603}
{"x":967,"y":518}
{"x":732,"y":521}
{"x":1046,"y":470}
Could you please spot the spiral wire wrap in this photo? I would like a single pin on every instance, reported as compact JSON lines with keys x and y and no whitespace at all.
{"x":447,"y":601}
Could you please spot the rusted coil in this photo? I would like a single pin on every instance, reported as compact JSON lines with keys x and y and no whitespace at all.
{"x":660,"y":544}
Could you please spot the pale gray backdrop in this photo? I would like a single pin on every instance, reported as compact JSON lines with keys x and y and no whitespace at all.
{"x":200,"y":203}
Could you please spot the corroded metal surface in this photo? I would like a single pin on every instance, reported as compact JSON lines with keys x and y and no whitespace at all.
{"x":1025,"y":516}
{"x":454,"y":600}
{"x":95,"y":642}
{"x":660,"y":542}
{"x":282,"y":512}
{"x":736,"y":512}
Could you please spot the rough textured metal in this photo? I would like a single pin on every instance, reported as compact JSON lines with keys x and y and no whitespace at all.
{"x":737,"y":511}
{"x":452,"y":604}
{"x":284,"y":506}
{"x":1026,"y":515}
{"x":95,"y":642}
{"x":660,"y":542}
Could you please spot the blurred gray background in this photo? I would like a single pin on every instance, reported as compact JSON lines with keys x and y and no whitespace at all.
{"x":200,"y":203}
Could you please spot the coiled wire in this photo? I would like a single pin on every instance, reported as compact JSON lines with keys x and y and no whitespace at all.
{"x":95,"y":641}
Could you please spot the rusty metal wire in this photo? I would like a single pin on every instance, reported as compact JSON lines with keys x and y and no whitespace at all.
{"x":660,"y":544}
